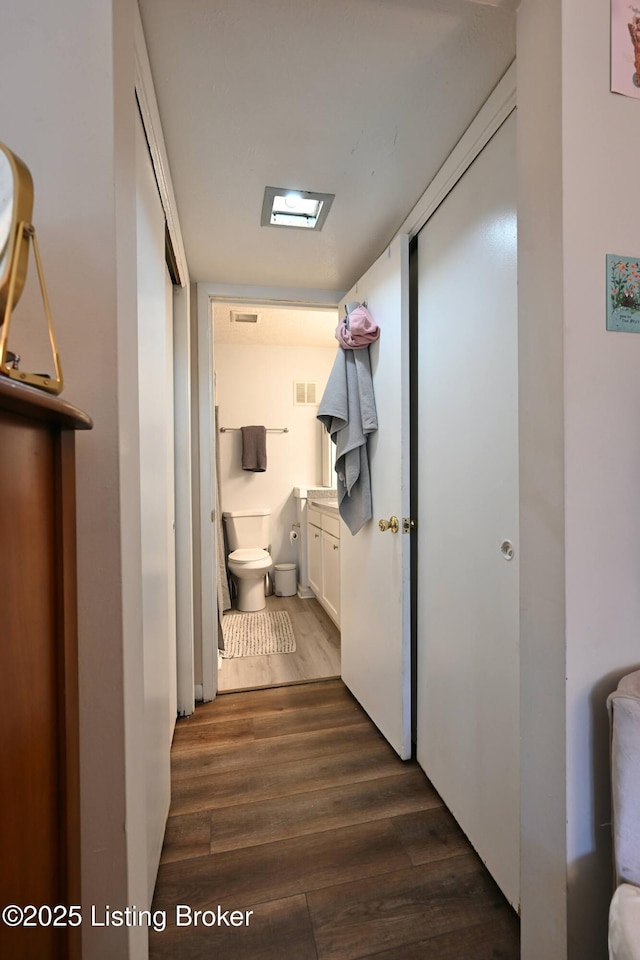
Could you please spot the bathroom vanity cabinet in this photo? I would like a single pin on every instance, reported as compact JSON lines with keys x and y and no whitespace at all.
{"x":39,"y":774}
{"x":323,"y":544}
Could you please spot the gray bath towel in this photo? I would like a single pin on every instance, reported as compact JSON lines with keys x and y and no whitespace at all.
{"x":254,"y":449}
{"x":348,"y":411}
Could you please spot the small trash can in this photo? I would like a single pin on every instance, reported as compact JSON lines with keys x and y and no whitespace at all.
{"x":285,"y":579}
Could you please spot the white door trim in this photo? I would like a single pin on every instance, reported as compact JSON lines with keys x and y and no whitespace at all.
{"x":289,"y":296}
{"x":489,"y":119}
{"x":207,"y":293}
{"x":208,"y":595}
{"x":155,"y":138}
{"x":184,"y":503}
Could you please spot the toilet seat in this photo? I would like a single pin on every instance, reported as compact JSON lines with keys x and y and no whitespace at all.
{"x":249,"y":555}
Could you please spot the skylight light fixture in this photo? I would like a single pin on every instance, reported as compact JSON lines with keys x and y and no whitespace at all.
{"x":284,"y":207}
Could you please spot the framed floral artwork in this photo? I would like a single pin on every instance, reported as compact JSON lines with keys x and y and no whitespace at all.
{"x":625,"y":47}
{"x":623,"y":294}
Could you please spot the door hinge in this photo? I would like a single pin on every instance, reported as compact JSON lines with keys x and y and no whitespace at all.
{"x":408,"y":524}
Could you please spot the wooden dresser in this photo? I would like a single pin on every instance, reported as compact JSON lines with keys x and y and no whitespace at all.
{"x":39,"y":777}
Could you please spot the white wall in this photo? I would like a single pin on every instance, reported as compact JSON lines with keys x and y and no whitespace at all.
{"x":71,"y":118}
{"x":601,"y":212}
{"x":542,"y":613}
{"x":580,"y":393}
{"x":254,"y":384}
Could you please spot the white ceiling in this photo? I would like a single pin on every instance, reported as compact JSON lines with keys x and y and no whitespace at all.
{"x":281,"y":326}
{"x":361,"y":98}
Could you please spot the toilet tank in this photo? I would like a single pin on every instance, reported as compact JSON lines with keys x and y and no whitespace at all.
{"x":247,"y":528}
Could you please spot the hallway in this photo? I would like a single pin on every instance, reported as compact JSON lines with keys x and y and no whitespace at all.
{"x":288,"y":802}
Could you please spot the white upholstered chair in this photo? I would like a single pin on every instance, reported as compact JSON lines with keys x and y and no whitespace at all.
{"x":624,"y":914}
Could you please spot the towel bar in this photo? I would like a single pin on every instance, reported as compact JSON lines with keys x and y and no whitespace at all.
{"x":269,"y":429}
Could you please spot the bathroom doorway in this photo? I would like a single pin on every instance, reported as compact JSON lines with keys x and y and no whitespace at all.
{"x":271,"y":362}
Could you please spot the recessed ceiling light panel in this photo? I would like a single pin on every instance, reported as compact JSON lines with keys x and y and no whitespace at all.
{"x":283,"y":207}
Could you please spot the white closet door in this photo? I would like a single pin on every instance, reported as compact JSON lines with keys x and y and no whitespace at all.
{"x":468,"y":609}
{"x":155,"y":379}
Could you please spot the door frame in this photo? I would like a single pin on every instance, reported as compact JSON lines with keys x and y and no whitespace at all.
{"x":207,"y":294}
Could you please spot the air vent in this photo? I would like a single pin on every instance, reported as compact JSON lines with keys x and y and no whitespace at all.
{"x":305,"y":394}
{"x":237,"y":317}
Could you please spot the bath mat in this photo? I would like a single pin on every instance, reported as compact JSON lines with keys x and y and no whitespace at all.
{"x":257,"y":634}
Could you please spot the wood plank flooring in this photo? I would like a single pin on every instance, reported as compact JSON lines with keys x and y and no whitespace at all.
{"x":317,"y":654}
{"x":289,"y":803}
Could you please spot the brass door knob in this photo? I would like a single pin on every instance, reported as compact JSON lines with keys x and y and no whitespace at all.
{"x":390,"y":524}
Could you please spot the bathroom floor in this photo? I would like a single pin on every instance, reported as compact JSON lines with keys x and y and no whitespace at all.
{"x":317,"y":655}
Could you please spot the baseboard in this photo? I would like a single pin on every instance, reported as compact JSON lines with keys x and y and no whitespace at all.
{"x":305,"y":593}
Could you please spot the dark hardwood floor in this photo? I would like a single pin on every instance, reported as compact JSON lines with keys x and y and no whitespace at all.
{"x":287,"y":802}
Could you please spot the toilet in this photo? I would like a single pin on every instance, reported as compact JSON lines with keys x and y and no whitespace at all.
{"x":249,"y":560}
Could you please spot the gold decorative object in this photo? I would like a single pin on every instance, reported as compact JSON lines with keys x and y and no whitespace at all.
{"x":17,"y":233}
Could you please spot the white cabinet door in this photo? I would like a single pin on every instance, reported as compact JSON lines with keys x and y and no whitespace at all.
{"x":331,"y":575}
{"x":315,"y":560}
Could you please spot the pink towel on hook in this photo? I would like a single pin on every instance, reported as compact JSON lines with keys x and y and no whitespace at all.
{"x":360,"y":331}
